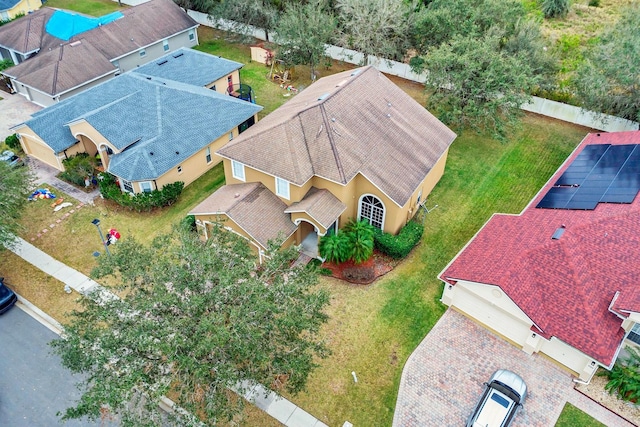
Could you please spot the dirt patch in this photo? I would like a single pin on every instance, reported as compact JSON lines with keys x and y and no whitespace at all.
{"x":595,"y":390}
{"x":365,"y":273}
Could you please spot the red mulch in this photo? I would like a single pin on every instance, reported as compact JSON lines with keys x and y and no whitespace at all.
{"x":364,"y":273}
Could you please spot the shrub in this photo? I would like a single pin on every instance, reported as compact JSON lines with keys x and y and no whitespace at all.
{"x":12,"y":142}
{"x":594,"y":3}
{"x":360,"y":234}
{"x":334,"y":247}
{"x":77,"y":168}
{"x":399,"y":246}
{"x":624,"y":377}
{"x":167,"y":196}
{"x":555,"y":8}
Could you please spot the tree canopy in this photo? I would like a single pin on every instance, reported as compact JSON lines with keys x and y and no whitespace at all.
{"x":195,"y":319}
{"x":609,"y":81}
{"x":15,"y":185}
{"x":483,"y":58}
{"x":303,"y":32}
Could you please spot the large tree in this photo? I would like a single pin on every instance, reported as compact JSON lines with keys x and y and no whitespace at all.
{"x":15,"y":184}
{"x":303,"y":32}
{"x":195,"y":319}
{"x":609,"y":80}
{"x":483,"y":60}
{"x":245,"y":14}
{"x":375,"y":27}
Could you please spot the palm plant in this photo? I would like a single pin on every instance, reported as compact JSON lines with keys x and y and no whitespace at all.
{"x":334,"y":247}
{"x":360,"y":234}
{"x":624,"y":377}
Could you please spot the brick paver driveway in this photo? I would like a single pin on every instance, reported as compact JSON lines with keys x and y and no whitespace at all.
{"x":444,"y":377}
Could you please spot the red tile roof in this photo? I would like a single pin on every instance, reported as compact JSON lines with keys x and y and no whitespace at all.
{"x":565,"y":286}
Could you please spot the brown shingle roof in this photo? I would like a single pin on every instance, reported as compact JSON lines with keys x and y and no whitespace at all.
{"x":27,"y":34}
{"x":59,"y":69}
{"x":320,"y":205}
{"x":63,"y":69}
{"x":253,"y":208}
{"x":348,"y":123}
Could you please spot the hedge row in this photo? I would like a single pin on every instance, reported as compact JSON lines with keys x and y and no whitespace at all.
{"x":141,"y":201}
{"x":399,"y":246}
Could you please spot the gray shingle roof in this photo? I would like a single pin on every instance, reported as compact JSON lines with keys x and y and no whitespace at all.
{"x":8,"y":4}
{"x":252,"y":207}
{"x":348,"y":123}
{"x":189,"y":66}
{"x":320,"y":205}
{"x":140,"y":26}
{"x":169,"y":120}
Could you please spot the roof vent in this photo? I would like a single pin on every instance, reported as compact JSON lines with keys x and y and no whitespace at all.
{"x":342,"y":82}
{"x":162,"y":62}
{"x":177,"y":152}
{"x":356,"y":72}
{"x":75,"y":43}
{"x":558,"y":233}
{"x":178,"y":55}
{"x":151,"y":153}
{"x":235,"y":196}
{"x":323,"y":96}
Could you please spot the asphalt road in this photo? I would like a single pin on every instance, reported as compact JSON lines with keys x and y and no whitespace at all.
{"x":33,"y":384}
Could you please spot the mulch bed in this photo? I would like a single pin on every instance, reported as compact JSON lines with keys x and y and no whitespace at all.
{"x":365,"y":273}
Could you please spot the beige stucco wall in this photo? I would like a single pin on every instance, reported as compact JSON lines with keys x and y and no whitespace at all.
{"x":296,"y":217}
{"x":491,"y":307}
{"x":154,"y":51}
{"x":222,"y":85}
{"x":24,"y":7}
{"x":350,"y":194}
{"x":32,"y":145}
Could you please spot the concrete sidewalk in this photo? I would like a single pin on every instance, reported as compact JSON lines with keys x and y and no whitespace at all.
{"x":276,"y":406}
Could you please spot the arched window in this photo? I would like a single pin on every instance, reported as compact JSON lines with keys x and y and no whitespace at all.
{"x":371,"y":210}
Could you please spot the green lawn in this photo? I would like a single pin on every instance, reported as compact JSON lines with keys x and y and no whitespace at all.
{"x":88,"y":7}
{"x":372,"y":329}
{"x":574,"y":417}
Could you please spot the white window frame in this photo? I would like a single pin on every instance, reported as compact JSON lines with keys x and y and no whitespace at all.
{"x":237,"y":170}
{"x":145,"y":186}
{"x":165,"y":45}
{"x":283,"y":188}
{"x":231,"y":136}
{"x":419,"y":198}
{"x":635,"y":330}
{"x":180,"y":169}
{"x":192,"y":35}
{"x":369,"y":220}
{"x":208,"y":155}
{"x":126,"y":186}
{"x":143,"y":53}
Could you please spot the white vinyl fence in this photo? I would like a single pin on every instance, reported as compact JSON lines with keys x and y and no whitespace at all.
{"x":545,"y":107}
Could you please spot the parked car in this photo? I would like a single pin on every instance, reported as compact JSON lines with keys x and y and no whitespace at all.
{"x":11,"y":158}
{"x":503,"y":395}
{"x":7,"y":297}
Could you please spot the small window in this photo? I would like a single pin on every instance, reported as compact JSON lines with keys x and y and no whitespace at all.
{"x":282,"y":188}
{"x":126,"y":186}
{"x":419,"y":197}
{"x":179,"y":169}
{"x":213,"y":87}
{"x":230,"y":136}
{"x":237,"y":170}
{"x":634,"y":334}
{"x":143,"y":53}
{"x":192,"y":35}
{"x":165,"y":45}
{"x":146,"y":187}
{"x":208,"y":155}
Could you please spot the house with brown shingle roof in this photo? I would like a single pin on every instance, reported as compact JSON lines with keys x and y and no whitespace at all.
{"x":561,"y":278}
{"x":54,"y":61}
{"x":10,"y":9}
{"x":351,"y":145}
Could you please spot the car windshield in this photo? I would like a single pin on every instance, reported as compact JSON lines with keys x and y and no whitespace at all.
{"x":4,"y":292}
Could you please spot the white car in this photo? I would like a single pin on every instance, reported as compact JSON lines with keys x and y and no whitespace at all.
{"x":503,"y":396}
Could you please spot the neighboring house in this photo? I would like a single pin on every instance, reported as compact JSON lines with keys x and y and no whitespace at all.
{"x":9,"y":9}
{"x":351,"y":145}
{"x":149,"y":131}
{"x":68,"y":52}
{"x":561,"y":278}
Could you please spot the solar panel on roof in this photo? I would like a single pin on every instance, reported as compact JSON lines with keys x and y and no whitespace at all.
{"x":600,"y":173}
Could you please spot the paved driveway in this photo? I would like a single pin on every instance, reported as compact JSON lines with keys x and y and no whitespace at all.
{"x":33,"y":384}
{"x":14,"y":109}
{"x":443,"y":378}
